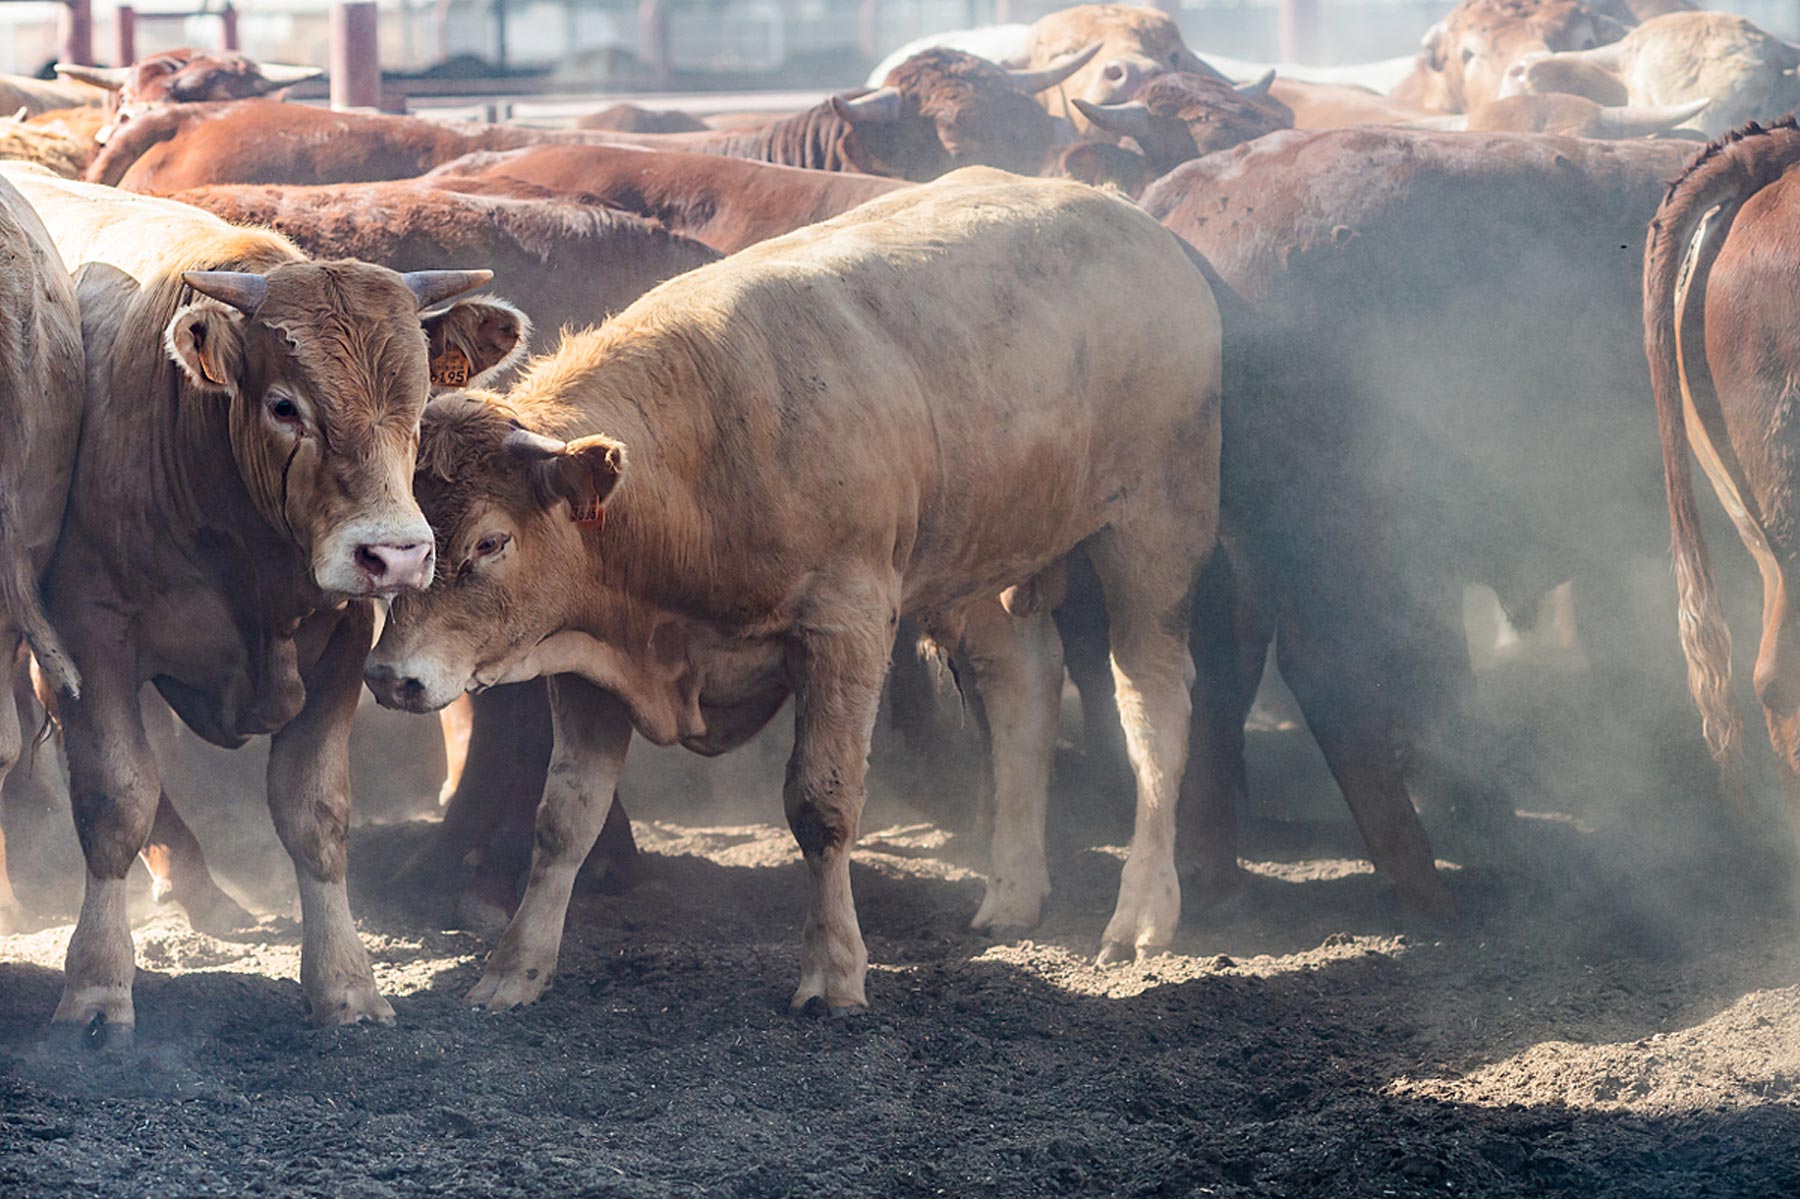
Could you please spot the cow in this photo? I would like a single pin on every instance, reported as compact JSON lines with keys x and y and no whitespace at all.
{"x":727,"y":203}
{"x":242,"y":491}
{"x":1565,"y":116}
{"x":630,"y":118}
{"x":1741,"y":72}
{"x":1180,"y":116}
{"x":40,"y":418}
{"x":1135,"y":43}
{"x":1464,"y":58}
{"x":1718,"y":335}
{"x":1341,"y":105}
{"x":34,"y":96}
{"x":938,"y":111}
{"x":183,"y":76}
{"x":656,"y":517}
{"x":1429,"y":329}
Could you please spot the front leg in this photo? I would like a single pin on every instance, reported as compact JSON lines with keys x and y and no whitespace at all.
{"x":112,"y":795}
{"x":837,"y":682}
{"x":592,"y":731}
{"x":309,"y":799}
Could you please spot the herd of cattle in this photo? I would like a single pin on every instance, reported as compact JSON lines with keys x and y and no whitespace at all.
{"x":1307,"y":361}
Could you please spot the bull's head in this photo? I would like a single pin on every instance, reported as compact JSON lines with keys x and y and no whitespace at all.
{"x":181,"y":77}
{"x":1464,"y":59}
{"x":327,"y":366}
{"x":942,"y":109}
{"x":1177,"y":117}
{"x":509,"y":508}
{"x":1135,"y":45}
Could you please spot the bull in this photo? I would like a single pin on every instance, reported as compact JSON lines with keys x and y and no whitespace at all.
{"x":656,"y":517}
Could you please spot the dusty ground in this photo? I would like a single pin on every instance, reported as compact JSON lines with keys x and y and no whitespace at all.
{"x":1615,"y":1013}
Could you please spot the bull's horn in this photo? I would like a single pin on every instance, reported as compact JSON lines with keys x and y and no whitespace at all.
{"x":1641,"y":120}
{"x":527,"y":446}
{"x":283,"y":74}
{"x":18,"y":118}
{"x":240,"y":289}
{"x":434,"y":287}
{"x":1257,"y":87}
{"x":1043,"y":78}
{"x":110,"y":78}
{"x":878,"y":107}
{"x":1131,"y":119}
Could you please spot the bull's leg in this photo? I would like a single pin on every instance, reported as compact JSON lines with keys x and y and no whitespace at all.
{"x":1349,"y":719}
{"x":1228,"y":637}
{"x":836,"y":680}
{"x":309,"y":799}
{"x":112,"y":795}
{"x":1087,"y":652}
{"x":1147,"y":573}
{"x":592,"y":731}
{"x":178,"y":873}
{"x":1018,"y":667}
{"x":457,"y":722}
{"x":12,"y":745}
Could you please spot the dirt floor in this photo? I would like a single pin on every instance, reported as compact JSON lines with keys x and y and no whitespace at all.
{"x":1614,"y":1012}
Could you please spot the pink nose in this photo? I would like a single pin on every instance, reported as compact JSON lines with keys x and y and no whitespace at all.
{"x":390,"y":567}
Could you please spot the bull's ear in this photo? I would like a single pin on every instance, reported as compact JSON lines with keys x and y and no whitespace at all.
{"x":582,"y":472}
{"x":206,"y":340}
{"x":472,"y":340}
{"x":1431,"y":46}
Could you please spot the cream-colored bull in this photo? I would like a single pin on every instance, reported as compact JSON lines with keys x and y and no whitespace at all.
{"x":732,"y":491}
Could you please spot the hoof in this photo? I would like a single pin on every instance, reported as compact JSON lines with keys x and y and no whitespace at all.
{"x":215,"y":913}
{"x":500,"y":991}
{"x":476,"y":911}
{"x":1427,"y":902}
{"x":818,"y":1007}
{"x":1008,"y":905}
{"x":1204,"y":887}
{"x":97,"y":1035}
{"x":349,"y":1005}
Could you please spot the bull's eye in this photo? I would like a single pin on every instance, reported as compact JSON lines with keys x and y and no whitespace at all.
{"x":1175,"y":60}
{"x":284,"y":410}
{"x":1468,"y":55}
{"x":1587,"y":43}
{"x":488,"y":546}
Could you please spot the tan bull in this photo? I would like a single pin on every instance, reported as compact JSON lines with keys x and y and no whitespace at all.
{"x":40,"y":415}
{"x":1464,"y":58}
{"x":732,"y":492}
{"x":242,"y":488}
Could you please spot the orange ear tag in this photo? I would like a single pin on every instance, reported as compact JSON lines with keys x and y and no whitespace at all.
{"x":451,"y":368}
{"x":589,"y":516}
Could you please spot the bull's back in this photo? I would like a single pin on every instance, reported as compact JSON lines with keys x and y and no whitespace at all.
{"x":967,"y":348}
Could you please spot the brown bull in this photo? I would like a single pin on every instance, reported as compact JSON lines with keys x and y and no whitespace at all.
{"x":242,"y":488}
{"x":40,"y":415}
{"x":687,"y":561}
{"x":184,"y":76}
{"x":1136,"y":44}
{"x":1719,"y":281}
{"x":1463,"y":59}
{"x":727,"y":203}
{"x":1400,"y":337}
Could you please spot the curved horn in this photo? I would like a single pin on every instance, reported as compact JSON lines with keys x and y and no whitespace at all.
{"x":878,"y":107}
{"x":1641,"y":120}
{"x":1131,"y":119}
{"x":1042,"y":78}
{"x":527,"y":446}
{"x":1257,"y":88}
{"x":110,"y":78}
{"x":240,"y":289}
{"x":283,"y":74}
{"x":434,"y":287}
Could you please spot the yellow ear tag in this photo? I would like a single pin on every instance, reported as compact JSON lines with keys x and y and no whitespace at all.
{"x":451,"y":368}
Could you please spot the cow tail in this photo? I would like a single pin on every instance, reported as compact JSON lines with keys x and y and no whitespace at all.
{"x":20,"y":599}
{"x":1684,"y":238}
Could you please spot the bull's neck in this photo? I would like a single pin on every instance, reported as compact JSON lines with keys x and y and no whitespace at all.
{"x":813,"y":139}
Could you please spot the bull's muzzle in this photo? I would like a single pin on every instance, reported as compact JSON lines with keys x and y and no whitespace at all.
{"x":394,"y":690}
{"x":389,"y":567}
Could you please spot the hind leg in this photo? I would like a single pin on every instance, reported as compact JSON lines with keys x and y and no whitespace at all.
{"x":1018,"y":670}
{"x":178,"y":873}
{"x":1147,"y":578}
{"x":12,"y":745}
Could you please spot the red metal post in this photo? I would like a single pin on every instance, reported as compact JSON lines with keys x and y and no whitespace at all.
{"x":78,"y":32}
{"x":355,"y":55}
{"x":126,"y":43}
{"x":653,"y":37}
{"x":228,"y":26}
{"x":1299,"y":30}
{"x":1003,"y":12}
{"x":868,"y":28}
